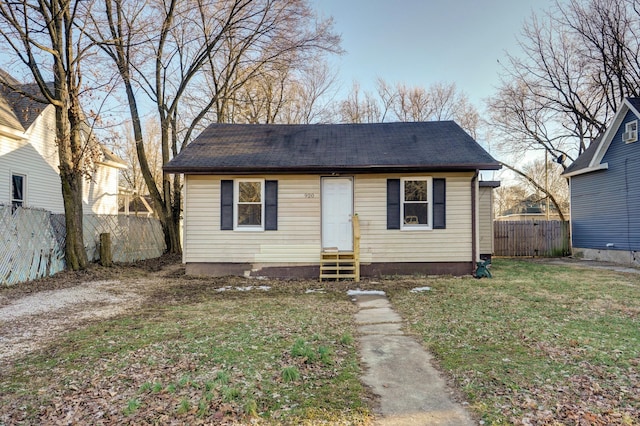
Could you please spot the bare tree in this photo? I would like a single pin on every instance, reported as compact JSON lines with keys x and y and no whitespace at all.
{"x":531,"y":177}
{"x":608,"y":31}
{"x":359,"y":107}
{"x":286,"y":95}
{"x":44,"y":37}
{"x":192,"y":58}
{"x":308,"y":95}
{"x":507,"y":197}
{"x":124,"y":146}
{"x":578,"y":62}
{"x":439,"y":101}
{"x":413,"y":104}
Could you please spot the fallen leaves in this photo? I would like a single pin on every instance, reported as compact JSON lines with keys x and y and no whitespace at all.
{"x":192,"y":355}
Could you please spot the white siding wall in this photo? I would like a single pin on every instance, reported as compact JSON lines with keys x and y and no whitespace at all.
{"x":8,"y":157}
{"x":36,"y":157}
{"x":297,"y":240}
{"x":100,"y":194}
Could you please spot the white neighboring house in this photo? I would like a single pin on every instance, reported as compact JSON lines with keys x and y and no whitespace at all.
{"x":29,"y":172}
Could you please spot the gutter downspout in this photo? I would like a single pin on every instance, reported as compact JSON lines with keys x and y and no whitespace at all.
{"x":474,"y":222}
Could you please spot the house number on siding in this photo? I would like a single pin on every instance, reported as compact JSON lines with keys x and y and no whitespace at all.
{"x":309,"y":195}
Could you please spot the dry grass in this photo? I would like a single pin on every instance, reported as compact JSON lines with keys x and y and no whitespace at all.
{"x":537,"y":344}
{"x":191,"y":354}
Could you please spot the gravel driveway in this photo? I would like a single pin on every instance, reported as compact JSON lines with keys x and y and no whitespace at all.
{"x":31,"y":315}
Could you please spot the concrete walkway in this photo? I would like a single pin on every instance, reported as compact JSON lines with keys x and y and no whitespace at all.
{"x":399,"y":370}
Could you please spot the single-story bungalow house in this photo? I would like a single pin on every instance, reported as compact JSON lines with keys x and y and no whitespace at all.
{"x":299,"y":200}
{"x":605,"y":197}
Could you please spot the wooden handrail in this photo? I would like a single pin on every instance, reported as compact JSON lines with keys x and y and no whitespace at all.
{"x":355,"y":220}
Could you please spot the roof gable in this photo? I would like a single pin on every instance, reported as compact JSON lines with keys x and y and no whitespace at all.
{"x":259,"y":148}
{"x":25,"y":108}
{"x":8,"y":116}
{"x":591,"y":159}
{"x":18,"y":111}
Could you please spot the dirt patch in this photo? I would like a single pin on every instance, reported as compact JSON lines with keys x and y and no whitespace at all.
{"x":33,"y":313}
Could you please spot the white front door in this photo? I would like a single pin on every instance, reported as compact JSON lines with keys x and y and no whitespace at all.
{"x":337,"y":208}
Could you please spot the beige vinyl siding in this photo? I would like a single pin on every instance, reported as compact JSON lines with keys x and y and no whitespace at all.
{"x":485,"y":220}
{"x":379,"y":244}
{"x":297,"y":240}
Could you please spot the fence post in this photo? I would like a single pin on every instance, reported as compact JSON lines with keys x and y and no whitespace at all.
{"x":105,"y":249}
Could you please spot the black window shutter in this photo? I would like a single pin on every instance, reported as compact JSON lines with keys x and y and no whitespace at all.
{"x":271,"y":205}
{"x":226,"y":205}
{"x":439,"y":204}
{"x":393,"y":203}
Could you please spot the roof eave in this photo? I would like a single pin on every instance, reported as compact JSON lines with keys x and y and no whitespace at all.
{"x":330,"y":169}
{"x":12,"y":133}
{"x":489,"y":183}
{"x":114,"y":164}
{"x":603,"y":166}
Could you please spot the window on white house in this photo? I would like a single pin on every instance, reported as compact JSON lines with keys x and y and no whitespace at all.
{"x":416,"y":201}
{"x":630,"y":131}
{"x":249,"y":210}
{"x":17,"y":191}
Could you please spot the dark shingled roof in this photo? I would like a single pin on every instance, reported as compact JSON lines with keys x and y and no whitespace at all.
{"x":26,"y":108}
{"x":17,"y":110}
{"x":583,"y":161}
{"x":635,"y":102}
{"x":322,"y":148}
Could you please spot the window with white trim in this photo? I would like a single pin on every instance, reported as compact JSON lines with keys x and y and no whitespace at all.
{"x":630,"y":131}
{"x":249,"y":209}
{"x":415,"y":199}
{"x":18,"y":186}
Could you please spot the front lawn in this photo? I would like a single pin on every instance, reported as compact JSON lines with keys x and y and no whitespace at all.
{"x":195,"y":355}
{"x":537,"y":344}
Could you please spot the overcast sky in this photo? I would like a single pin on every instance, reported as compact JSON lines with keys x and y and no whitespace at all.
{"x":421,"y":42}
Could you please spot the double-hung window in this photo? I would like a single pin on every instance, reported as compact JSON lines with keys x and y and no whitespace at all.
{"x":415,"y":198}
{"x":417,"y":203}
{"x":248,"y":205}
{"x":18,"y":184}
{"x":249,"y":196}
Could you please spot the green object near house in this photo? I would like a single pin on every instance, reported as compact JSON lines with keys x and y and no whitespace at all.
{"x":483,"y":269}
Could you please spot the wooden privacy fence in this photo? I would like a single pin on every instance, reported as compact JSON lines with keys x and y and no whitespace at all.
{"x":32,"y":241}
{"x":545,"y":238}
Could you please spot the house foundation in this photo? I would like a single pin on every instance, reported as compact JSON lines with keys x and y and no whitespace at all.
{"x":621,"y":257}
{"x":288,"y":271}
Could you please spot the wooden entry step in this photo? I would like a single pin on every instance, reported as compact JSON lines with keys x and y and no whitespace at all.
{"x":338,"y":265}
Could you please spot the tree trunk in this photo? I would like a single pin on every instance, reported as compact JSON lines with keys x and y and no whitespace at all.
{"x":71,"y":181}
{"x":170,"y":223}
